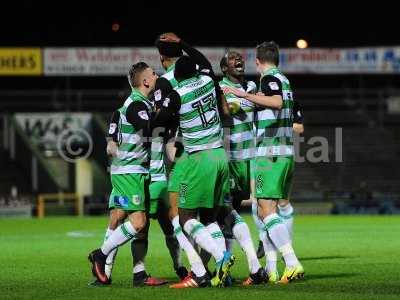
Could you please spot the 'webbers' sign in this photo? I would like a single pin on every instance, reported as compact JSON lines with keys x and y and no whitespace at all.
{"x":108,"y":61}
{"x":20,"y":61}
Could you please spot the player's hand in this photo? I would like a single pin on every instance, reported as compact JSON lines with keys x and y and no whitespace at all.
{"x":260,"y":94}
{"x":112,"y":149}
{"x":170,"y":37}
{"x":298,"y":128}
{"x":236,"y":92}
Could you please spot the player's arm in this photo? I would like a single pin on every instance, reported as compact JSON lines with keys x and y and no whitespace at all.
{"x":161,"y":90}
{"x":168,"y":112}
{"x":138,"y":115}
{"x":222,"y":104}
{"x":271,"y":95}
{"x":198,"y":57}
{"x":113,"y":129}
{"x":204,"y":64}
{"x":113,"y":133}
{"x":298,"y":119}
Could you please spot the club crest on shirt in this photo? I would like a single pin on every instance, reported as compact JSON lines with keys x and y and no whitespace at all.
{"x":157,"y":95}
{"x":143,"y":115}
{"x":136,"y":199}
{"x":273,"y":86}
{"x":113,"y":127}
{"x":166,"y":102}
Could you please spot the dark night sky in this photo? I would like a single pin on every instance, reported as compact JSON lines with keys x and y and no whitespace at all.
{"x":228,"y":23}
{"x":201,"y":23}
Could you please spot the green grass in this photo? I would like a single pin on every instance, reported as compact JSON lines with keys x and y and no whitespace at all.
{"x":345,"y":257}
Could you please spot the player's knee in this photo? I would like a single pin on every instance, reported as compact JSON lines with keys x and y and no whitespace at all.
{"x":113,"y":224}
{"x":183,"y":220}
{"x":138,"y":221}
{"x":267,"y":207}
{"x":229,"y":220}
{"x":207,"y":216}
{"x":223,"y":213}
{"x":186,"y":215}
{"x":116,"y":218}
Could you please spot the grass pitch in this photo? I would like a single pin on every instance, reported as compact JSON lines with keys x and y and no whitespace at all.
{"x":345,"y":257}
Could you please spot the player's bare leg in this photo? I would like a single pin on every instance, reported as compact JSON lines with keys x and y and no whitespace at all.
{"x":139,"y":247}
{"x":171,"y":240}
{"x":201,"y":235}
{"x":268,"y":248}
{"x":241,"y":233}
{"x":196,"y":264}
{"x":122,"y":234}
{"x":117,"y":216}
{"x":279,"y":236}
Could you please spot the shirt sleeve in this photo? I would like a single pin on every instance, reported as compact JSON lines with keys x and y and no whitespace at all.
{"x":168,"y":112}
{"x":297,"y":113}
{"x":271,"y":86}
{"x":139,"y":116}
{"x":113,"y":129}
{"x":198,"y":57}
{"x":162,"y":88}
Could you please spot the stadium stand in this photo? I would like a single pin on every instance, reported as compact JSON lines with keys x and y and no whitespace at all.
{"x":369,"y":131}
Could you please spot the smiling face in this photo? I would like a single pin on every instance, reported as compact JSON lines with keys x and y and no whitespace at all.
{"x":234,"y":64}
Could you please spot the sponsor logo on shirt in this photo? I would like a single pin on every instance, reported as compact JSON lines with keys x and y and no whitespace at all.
{"x":197,"y":83}
{"x":121,"y":201}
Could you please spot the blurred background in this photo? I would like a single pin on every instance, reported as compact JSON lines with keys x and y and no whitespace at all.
{"x":63,"y":71}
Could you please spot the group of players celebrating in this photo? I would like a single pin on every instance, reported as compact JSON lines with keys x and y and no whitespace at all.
{"x":187,"y":149}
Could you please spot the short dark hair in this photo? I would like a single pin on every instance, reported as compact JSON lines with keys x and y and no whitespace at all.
{"x":185,"y":68}
{"x":268,"y":52}
{"x":134,"y":73}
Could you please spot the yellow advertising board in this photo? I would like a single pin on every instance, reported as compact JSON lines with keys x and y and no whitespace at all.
{"x":21,"y":61}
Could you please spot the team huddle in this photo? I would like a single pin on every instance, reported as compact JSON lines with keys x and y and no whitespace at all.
{"x":186,"y":150}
